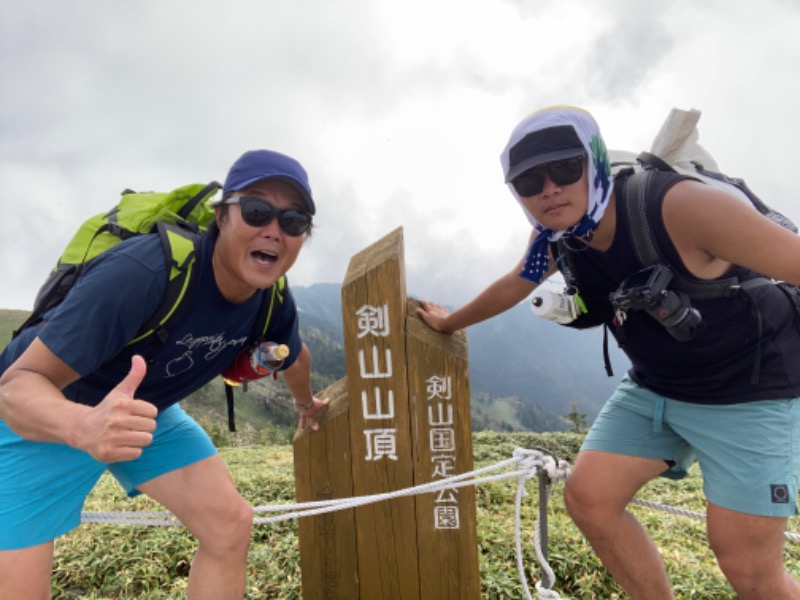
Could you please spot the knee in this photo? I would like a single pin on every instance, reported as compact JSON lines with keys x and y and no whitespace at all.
{"x":592,"y":510}
{"x":229,"y":530}
{"x":579,"y":503}
{"x":238,"y":524}
{"x":572,"y":499}
{"x":741,"y":568}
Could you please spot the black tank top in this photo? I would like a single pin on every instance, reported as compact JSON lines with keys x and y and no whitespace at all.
{"x":746,"y":348}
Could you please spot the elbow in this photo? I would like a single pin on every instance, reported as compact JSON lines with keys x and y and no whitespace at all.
{"x":5,"y":397}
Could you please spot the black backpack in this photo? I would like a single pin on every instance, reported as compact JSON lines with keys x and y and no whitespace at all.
{"x":635,"y":181}
{"x":638,"y":181}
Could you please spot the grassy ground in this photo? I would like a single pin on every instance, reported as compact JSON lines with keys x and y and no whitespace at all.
{"x":105,"y":561}
{"x":9,"y":321}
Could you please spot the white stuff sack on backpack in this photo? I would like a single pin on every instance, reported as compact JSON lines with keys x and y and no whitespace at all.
{"x":677,"y":144}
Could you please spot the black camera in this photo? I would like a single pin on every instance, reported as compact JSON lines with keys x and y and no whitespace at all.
{"x":647,"y":291}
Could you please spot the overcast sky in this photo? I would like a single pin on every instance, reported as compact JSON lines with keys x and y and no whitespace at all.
{"x":398,"y":110}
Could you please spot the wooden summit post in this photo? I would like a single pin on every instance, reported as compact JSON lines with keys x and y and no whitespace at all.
{"x":400,"y":418}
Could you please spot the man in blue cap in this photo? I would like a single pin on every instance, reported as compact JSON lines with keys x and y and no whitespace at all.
{"x":74,"y":402}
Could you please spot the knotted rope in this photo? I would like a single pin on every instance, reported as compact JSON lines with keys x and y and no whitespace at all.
{"x":525,"y":465}
{"x":549,"y":472}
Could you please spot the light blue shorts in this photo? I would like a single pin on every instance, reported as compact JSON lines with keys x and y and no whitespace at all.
{"x":43,"y":485}
{"x":749,"y":454}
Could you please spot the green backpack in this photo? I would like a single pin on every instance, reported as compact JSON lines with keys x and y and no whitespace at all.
{"x":178,"y":217}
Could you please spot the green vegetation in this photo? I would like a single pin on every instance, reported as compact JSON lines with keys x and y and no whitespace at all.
{"x":105,"y":561}
{"x":578,"y":420}
{"x":9,"y":321}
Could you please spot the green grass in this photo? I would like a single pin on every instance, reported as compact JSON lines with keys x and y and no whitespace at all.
{"x":106,"y":561}
{"x":9,"y":321}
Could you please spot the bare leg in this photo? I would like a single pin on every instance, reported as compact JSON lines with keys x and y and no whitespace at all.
{"x":26,"y":573}
{"x":204,"y":498}
{"x":749,"y":549}
{"x":596,"y":495}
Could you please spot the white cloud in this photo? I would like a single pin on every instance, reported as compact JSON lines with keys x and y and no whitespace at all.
{"x":398,"y":110}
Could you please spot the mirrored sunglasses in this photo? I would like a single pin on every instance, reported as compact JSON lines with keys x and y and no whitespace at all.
{"x":257,"y":212}
{"x":561,"y":172}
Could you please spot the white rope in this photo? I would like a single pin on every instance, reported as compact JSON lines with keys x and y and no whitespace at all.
{"x":130,"y":518}
{"x":553,"y":473}
{"x":456,"y":481}
{"x":792,"y":537}
{"x":305,"y":509}
{"x":529,"y":464}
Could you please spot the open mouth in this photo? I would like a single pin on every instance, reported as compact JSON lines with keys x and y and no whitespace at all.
{"x":264,"y":258}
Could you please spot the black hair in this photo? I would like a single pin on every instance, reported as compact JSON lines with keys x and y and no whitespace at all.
{"x":212,"y":230}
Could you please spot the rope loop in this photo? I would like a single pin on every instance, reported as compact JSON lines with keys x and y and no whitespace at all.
{"x":544,"y":593}
{"x":534,"y":463}
{"x":557,"y":471}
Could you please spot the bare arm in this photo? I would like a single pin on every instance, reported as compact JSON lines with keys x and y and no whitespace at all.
{"x":505,"y":293}
{"x":32,"y":404}
{"x":712,"y":231}
{"x":298,"y":380}
{"x":30,"y":398}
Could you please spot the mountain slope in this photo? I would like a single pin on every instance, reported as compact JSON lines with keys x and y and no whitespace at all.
{"x":545,"y":367}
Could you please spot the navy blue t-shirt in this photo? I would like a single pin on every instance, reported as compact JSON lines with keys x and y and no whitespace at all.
{"x":109,"y":304}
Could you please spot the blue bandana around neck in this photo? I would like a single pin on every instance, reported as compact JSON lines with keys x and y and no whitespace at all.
{"x":537,"y":260}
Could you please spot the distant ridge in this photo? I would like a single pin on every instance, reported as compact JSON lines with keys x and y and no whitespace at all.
{"x":525,"y":372}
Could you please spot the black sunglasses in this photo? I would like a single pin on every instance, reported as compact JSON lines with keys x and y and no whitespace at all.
{"x":257,"y":212}
{"x":561,"y":172}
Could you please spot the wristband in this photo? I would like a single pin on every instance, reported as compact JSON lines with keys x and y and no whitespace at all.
{"x":301,"y":407}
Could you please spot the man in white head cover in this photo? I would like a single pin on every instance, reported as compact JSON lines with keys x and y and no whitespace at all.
{"x":722,"y":387}
{"x":547,"y":136}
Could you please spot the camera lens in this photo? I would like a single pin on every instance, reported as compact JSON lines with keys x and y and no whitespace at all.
{"x":679,"y":320}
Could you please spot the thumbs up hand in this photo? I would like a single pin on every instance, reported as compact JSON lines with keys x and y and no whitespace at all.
{"x":120,"y":426}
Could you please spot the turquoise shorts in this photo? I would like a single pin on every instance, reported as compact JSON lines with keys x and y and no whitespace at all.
{"x":749,"y":454}
{"x":43,"y":485}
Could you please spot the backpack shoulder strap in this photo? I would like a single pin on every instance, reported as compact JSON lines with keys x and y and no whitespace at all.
{"x":180,"y":251}
{"x":635,"y":207}
{"x":649,"y":160}
{"x":186,"y":209}
{"x":639,"y":213}
{"x":179,"y":241}
{"x":268,"y":304}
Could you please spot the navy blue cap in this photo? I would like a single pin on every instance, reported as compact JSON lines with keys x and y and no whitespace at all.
{"x":257,"y":165}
